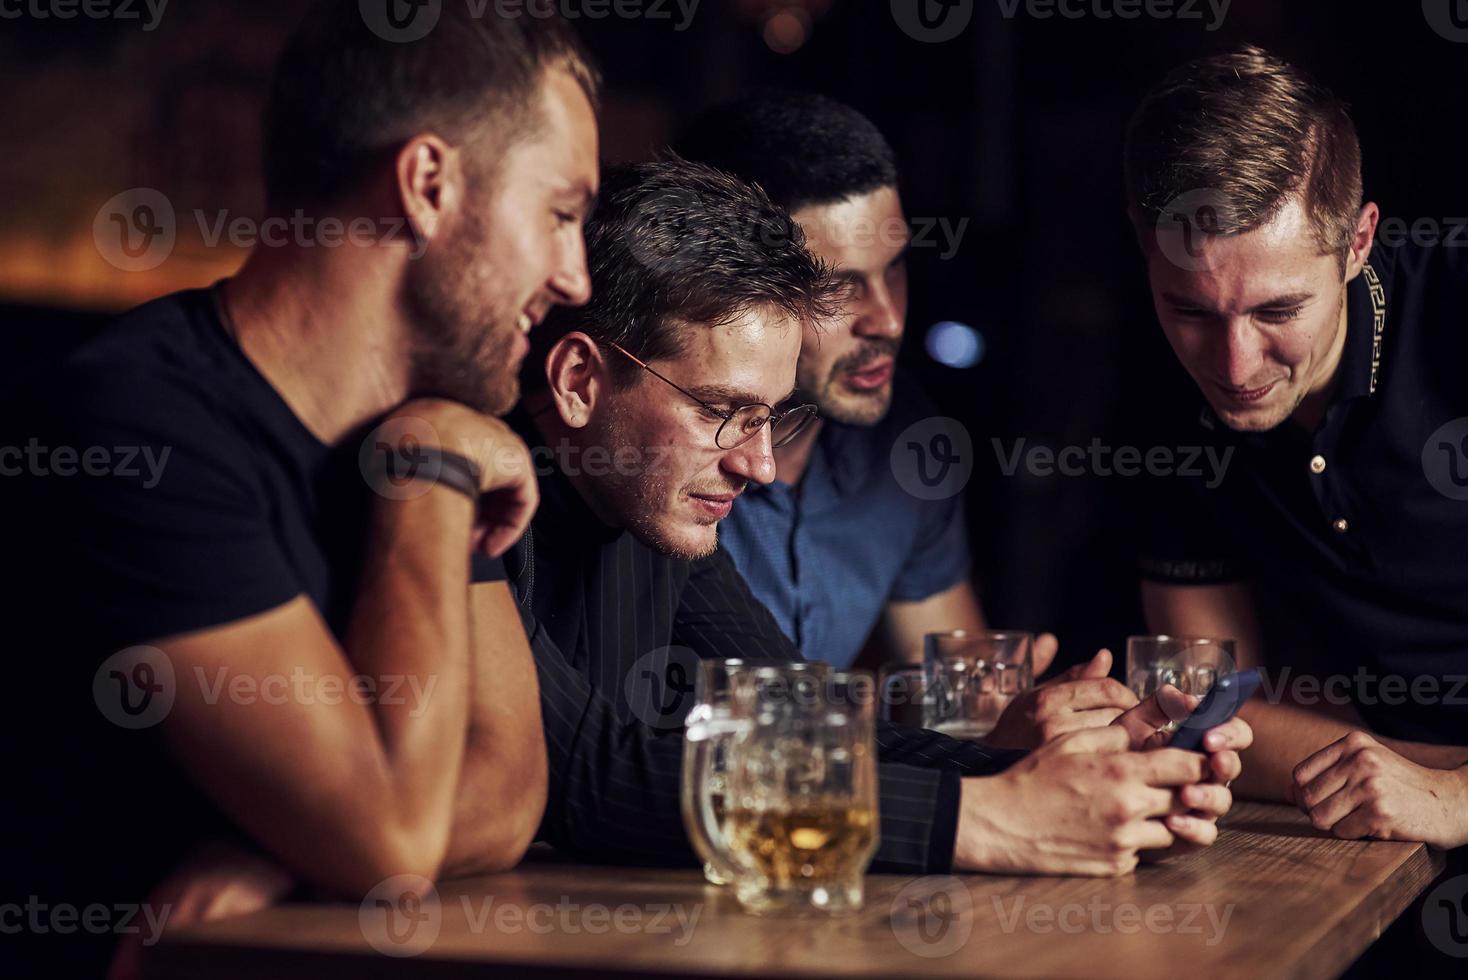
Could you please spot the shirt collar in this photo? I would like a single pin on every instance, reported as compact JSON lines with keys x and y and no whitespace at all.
{"x":1365,"y":325}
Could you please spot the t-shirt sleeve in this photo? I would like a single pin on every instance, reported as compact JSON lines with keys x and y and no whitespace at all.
{"x":939,"y":559}
{"x":157,"y":517}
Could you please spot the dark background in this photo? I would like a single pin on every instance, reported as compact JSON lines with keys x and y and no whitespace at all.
{"x":1015,"y":125}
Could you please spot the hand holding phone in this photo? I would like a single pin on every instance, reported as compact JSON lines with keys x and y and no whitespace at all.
{"x":1221,"y":703}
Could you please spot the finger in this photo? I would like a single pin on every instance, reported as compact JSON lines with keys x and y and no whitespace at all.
{"x":1171,"y":767}
{"x":1146,"y":835}
{"x":1316,"y":764}
{"x":1322,"y":787}
{"x":1096,"y":692}
{"x":1153,"y":802}
{"x":1355,"y":825}
{"x":1079,"y":721}
{"x":1097,"y":666}
{"x":1109,"y":739}
{"x":1208,"y":799}
{"x":1193,"y":830}
{"x":1142,"y":721}
{"x":1043,"y":654}
{"x":1232,"y":734}
{"x":1337,"y":806}
{"x":507,"y":514}
{"x":1225,"y":766}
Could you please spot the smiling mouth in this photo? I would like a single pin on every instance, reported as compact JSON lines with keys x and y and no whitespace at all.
{"x":1247,"y":395}
{"x":716,"y":505}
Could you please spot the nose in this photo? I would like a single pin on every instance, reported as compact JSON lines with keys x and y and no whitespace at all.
{"x":753,"y":460}
{"x":1241,"y":353}
{"x":879,"y":315}
{"x":572,"y":281}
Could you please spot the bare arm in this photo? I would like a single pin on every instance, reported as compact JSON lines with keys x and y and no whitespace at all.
{"x":904,"y":624}
{"x":502,"y":787}
{"x":345,"y":762}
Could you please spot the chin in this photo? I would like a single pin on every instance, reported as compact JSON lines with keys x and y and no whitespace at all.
{"x":1251,"y":420}
{"x":678,"y":539}
{"x":860,"y":409}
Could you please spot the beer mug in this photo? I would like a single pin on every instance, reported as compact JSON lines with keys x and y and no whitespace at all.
{"x":967,"y":679}
{"x":801,"y":823}
{"x":710,"y":726}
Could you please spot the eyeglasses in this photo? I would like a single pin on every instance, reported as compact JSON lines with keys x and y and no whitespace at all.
{"x":744,"y":422}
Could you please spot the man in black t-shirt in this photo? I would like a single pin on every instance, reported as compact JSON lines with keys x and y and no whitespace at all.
{"x":1329,"y":354}
{"x":228,"y":637}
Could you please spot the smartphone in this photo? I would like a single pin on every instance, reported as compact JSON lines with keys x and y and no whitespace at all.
{"x":1221,"y":703}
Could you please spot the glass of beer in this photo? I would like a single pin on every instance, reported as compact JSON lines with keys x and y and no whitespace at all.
{"x":711,"y":725}
{"x":802,"y":814}
{"x":1189,"y":663}
{"x":970,"y":676}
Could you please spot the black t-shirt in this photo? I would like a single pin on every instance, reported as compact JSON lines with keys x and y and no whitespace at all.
{"x":1356,"y":535}
{"x":157,"y":484}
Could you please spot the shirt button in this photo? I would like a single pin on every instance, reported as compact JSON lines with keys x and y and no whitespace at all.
{"x":1341,"y":525}
{"x":1317,"y":465}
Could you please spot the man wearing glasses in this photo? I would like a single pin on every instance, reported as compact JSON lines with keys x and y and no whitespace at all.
{"x":653,"y":411}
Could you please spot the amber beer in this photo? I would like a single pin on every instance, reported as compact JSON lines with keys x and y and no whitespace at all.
{"x":810,"y":843}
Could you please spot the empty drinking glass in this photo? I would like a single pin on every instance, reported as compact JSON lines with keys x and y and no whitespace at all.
{"x":1189,"y":663}
{"x":970,"y":676}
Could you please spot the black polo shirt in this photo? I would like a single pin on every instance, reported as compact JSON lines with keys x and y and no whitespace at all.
{"x":1359,"y":531}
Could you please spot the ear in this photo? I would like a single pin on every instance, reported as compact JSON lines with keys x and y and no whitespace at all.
{"x":1359,"y":249}
{"x":577,"y":376}
{"x":430,"y":183}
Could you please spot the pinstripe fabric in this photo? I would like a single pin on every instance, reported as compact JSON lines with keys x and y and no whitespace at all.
{"x":616,"y":630}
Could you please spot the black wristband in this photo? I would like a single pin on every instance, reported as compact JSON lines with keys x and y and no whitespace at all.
{"x":433,"y":465}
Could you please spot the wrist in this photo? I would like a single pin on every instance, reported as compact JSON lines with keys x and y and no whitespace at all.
{"x":979,"y":843}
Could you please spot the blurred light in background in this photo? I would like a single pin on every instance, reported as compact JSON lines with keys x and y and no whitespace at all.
{"x":954,"y":344}
{"x":786,"y":30}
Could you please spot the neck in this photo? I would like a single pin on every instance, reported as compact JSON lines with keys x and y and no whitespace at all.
{"x":560,"y":437}
{"x":319,"y":324}
{"x":792,"y":458}
{"x":1312,"y":408}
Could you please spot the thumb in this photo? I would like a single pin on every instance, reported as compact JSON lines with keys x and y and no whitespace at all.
{"x":1098,"y":666}
{"x":1143,"y":721}
{"x":1046,"y":647}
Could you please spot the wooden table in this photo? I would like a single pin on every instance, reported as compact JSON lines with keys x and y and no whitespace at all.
{"x":1273,"y":898}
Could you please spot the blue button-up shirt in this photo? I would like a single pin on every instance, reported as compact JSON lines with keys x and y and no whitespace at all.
{"x":828,"y":553}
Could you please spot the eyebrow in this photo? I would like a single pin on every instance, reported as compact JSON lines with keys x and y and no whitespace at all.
{"x":725,"y":395}
{"x":1273,"y":303}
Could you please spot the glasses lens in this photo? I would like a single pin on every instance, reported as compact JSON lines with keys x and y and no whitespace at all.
{"x":791,"y":423}
{"x":742,"y":426}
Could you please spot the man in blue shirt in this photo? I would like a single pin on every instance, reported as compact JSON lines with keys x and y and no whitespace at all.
{"x":861,"y":536}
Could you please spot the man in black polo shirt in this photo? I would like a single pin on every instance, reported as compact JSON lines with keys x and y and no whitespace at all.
{"x":649,"y":414}
{"x":1330,"y":364}
{"x":227,"y":638}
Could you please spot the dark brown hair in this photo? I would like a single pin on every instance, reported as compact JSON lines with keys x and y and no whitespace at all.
{"x":675,"y":245}
{"x":346,"y":93}
{"x":1249,"y":131}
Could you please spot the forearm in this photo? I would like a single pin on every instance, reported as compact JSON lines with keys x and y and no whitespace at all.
{"x":502,"y":788}
{"x":409,"y":633}
{"x":1284,"y":736}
